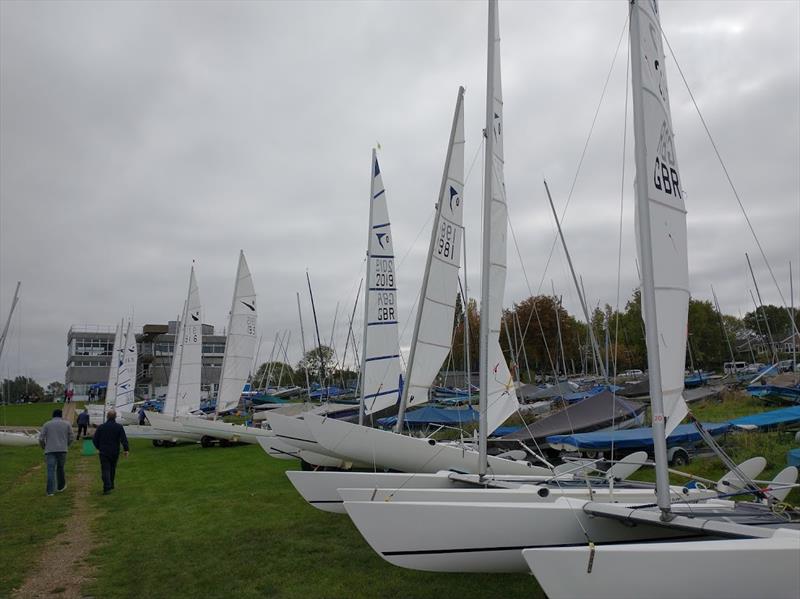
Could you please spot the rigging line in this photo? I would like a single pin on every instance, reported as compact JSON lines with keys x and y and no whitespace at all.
{"x":585,"y":148}
{"x":730,"y":182}
{"x":619,"y":246}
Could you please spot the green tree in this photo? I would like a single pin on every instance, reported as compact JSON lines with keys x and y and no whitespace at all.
{"x":316,"y":361}
{"x":274,"y":373}
{"x":22,"y":388}
{"x":54,"y":390}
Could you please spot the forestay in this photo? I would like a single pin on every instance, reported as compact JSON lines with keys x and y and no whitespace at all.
{"x":501,"y":396}
{"x":240,"y":344}
{"x":667,"y":222}
{"x":380,"y":370}
{"x":126,"y":378}
{"x":113,"y":371}
{"x":434,"y":326}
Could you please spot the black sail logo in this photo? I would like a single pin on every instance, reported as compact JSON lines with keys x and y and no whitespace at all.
{"x":251,"y":306}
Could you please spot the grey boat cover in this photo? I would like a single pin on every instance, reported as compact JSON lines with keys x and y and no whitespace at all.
{"x":535,"y":393}
{"x":591,"y":414}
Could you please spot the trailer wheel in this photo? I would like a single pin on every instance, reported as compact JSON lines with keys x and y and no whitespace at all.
{"x":205,"y":441}
{"x":678,"y":457}
{"x":158,"y":443}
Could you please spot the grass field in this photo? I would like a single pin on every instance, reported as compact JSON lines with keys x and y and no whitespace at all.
{"x":226,"y":522}
{"x":32,"y":414}
{"x":28,"y":518}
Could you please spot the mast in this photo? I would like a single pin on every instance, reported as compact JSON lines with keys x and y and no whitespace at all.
{"x":303,"y":343}
{"x":456,"y":188}
{"x":724,"y":331}
{"x":488,"y":170}
{"x":182,"y":332}
{"x":373,"y":168}
{"x":763,"y":312}
{"x":230,"y":328}
{"x":794,"y":317}
{"x":658,"y":192}
{"x":581,"y":297}
{"x":8,"y":320}
{"x":319,"y":342}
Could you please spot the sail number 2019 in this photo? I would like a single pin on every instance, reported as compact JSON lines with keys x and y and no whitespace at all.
{"x":384,"y":273}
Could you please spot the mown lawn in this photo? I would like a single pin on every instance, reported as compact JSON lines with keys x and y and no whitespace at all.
{"x":28,"y":518}
{"x":226,"y":522}
{"x":32,"y":414}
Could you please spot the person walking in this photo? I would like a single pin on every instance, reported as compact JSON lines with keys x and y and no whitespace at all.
{"x":107,"y":439}
{"x":83,"y":423}
{"x":55,"y":438}
{"x":142,"y":416}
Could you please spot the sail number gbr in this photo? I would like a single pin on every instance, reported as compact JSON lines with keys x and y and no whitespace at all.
{"x":383,"y":306}
{"x":383,"y":277}
{"x":447,"y":240}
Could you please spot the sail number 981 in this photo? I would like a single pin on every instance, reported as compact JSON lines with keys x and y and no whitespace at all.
{"x":447,"y":241}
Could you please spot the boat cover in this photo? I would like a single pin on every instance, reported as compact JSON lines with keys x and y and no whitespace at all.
{"x":579,"y":395}
{"x":433,"y":415}
{"x":589,"y":414}
{"x":773,"y":418}
{"x":637,"y":438}
{"x":793,"y":457}
{"x":534,"y":392}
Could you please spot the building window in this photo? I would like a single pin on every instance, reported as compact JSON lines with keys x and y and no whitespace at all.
{"x":93,"y":347}
{"x":213,"y":348}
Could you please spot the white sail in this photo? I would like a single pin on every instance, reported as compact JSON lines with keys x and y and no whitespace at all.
{"x":434,"y":329}
{"x":126,"y":378}
{"x":501,"y":396}
{"x":190,"y":368}
{"x":171,"y":401}
{"x":380,"y":372}
{"x":113,"y":370}
{"x":667,"y":222}
{"x":240,"y":344}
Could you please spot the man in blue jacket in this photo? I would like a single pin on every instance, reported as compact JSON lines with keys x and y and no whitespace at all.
{"x":107,"y":439}
{"x":54,"y":438}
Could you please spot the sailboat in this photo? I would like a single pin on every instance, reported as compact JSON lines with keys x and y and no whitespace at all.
{"x":97,"y":414}
{"x":728,"y":559}
{"x":431,"y":345}
{"x":183,"y":387}
{"x":380,"y":360}
{"x":240,"y":346}
{"x":485,"y":530}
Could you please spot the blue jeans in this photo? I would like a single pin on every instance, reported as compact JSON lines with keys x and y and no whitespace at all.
{"x":55,"y":471}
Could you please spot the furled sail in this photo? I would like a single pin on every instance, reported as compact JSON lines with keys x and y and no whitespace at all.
{"x":501,"y":396}
{"x":380,"y":372}
{"x":240,"y":344}
{"x":433,"y":331}
{"x":665,"y":233}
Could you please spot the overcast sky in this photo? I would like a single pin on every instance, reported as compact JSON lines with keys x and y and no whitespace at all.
{"x":136,"y":137}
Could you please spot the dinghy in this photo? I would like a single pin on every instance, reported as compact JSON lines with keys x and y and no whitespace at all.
{"x":737,"y":550}
{"x":18,"y":439}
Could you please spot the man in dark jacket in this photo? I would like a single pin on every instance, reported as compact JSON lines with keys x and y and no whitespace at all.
{"x":83,"y":423}
{"x":107,"y":439}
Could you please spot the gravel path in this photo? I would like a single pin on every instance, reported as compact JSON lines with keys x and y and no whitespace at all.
{"x":63,"y":567}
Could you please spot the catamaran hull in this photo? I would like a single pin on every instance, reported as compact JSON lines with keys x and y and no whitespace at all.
{"x":238,"y":433}
{"x":168,"y":426}
{"x":482,"y":537}
{"x":295,"y":432}
{"x":730,"y":568}
{"x":135,"y":431}
{"x":13,"y":439}
{"x":320,"y":489}
{"x":276,"y":448}
{"x":391,"y":451}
